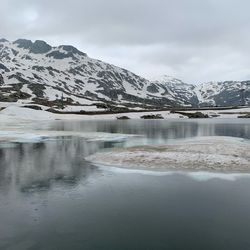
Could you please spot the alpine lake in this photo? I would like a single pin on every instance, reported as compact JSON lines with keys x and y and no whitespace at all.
{"x":52,"y":198}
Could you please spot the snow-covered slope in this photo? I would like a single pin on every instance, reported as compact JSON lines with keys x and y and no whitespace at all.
{"x":41,"y":73}
{"x":64,"y":76}
{"x":228,"y":93}
{"x":174,"y":89}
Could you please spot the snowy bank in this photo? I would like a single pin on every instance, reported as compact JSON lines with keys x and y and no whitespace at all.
{"x":17,"y":112}
{"x":219,"y":154}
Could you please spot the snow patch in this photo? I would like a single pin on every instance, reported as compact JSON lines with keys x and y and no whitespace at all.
{"x":216,"y":154}
{"x":17,"y":112}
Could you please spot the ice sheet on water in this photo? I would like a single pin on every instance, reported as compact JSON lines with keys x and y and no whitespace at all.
{"x":198,"y":176}
{"x":213,"y":154}
{"x":12,"y":136}
{"x":35,"y":136}
{"x":205,"y":176}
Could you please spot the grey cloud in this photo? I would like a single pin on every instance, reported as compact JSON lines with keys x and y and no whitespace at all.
{"x":194,"y":39}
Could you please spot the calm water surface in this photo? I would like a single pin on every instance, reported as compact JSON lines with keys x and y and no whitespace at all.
{"x":51,"y":198}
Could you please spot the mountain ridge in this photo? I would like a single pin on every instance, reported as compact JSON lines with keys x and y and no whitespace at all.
{"x":39,"y":73}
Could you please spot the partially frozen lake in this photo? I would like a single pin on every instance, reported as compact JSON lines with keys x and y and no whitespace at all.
{"x":52,"y":198}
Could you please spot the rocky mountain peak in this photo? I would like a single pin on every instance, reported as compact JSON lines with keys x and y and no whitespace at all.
{"x":23,"y":43}
{"x":38,"y":47}
{"x":40,"y":73}
{"x":3,"y":40}
{"x":166,"y":79}
{"x":66,"y":51}
{"x":71,"y":49}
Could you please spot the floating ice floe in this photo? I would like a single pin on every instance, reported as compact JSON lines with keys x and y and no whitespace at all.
{"x":215,"y":154}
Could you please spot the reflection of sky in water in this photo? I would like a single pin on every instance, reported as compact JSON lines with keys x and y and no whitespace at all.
{"x":37,"y":166}
{"x":162,"y":129}
{"x":50,"y":196}
{"x":30,"y":166}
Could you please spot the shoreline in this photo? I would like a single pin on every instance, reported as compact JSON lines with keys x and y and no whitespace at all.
{"x":15,"y":112}
{"x":113,"y":168}
{"x":196,"y":175}
{"x":214,"y":154}
{"x":166,"y":171}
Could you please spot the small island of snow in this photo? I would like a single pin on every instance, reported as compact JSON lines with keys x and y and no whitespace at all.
{"x":216,"y":154}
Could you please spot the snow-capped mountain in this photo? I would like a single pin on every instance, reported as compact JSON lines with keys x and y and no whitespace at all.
{"x":228,"y":93}
{"x":176,"y":90}
{"x":39,"y":73}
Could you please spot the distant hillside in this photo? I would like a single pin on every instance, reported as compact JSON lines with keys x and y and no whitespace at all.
{"x":39,"y":73}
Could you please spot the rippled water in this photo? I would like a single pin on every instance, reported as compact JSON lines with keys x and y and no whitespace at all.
{"x":51,"y":198}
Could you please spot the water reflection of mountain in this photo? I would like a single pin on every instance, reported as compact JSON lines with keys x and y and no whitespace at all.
{"x":165,"y":129}
{"x":36,"y":167}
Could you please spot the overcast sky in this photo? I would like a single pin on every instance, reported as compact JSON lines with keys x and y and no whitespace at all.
{"x":194,"y":40}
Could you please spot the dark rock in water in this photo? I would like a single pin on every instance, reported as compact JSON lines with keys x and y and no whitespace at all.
{"x":196,"y":115}
{"x":244,"y":116}
{"x":192,"y":115}
{"x":157,"y":116}
{"x":40,"y":47}
{"x":214,"y":115}
{"x":122,"y":118}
